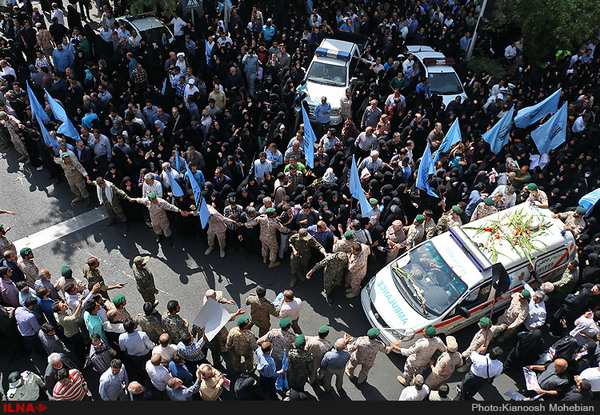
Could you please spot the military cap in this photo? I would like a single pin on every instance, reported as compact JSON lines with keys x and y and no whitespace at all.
{"x":489,"y":201}
{"x":580,"y":210}
{"x":151,"y":195}
{"x":66,"y":271}
{"x":532,"y":186}
{"x":242,"y":320}
{"x":484,"y":322}
{"x":324,"y":329}
{"x":300,"y":341}
{"x":349,"y":234}
{"x":285,"y":322}
{"x":373,"y":333}
{"x":420,"y":218}
{"x":118,"y":300}
{"x":456,"y":209}
{"x":430,"y":331}
{"x":25,"y":251}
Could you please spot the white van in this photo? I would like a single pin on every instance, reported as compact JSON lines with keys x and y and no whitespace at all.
{"x":330,"y":72}
{"x":447,"y":281}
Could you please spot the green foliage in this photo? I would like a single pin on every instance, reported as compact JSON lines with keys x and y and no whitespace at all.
{"x":492,"y":66}
{"x":549,"y":25}
{"x":167,"y":7}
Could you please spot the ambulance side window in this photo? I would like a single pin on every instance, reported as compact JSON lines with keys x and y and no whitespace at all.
{"x":478,"y":296}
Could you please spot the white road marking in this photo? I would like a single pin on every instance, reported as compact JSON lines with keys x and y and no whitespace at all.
{"x":62,"y":229}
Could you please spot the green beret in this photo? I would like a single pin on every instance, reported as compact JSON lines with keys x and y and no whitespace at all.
{"x":372,"y":201}
{"x":25,"y":251}
{"x":242,"y":320}
{"x":270,"y":211}
{"x":285,"y":322}
{"x":118,"y":300}
{"x":484,"y":322}
{"x":66,"y":271}
{"x":324,"y":329}
{"x":430,"y":331}
{"x":532,"y":186}
{"x":65,"y":155}
{"x":489,"y":201}
{"x":526,"y":294}
{"x":372,"y":333}
{"x":349,"y":234}
{"x":420,"y":218}
{"x":456,"y":209}
{"x":151,"y":195}
{"x":300,"y":341}
{"x":580,"y":210}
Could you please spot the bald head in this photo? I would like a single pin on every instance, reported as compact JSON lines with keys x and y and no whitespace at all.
{"x":339,"y":345}
{"x":561,"y":365}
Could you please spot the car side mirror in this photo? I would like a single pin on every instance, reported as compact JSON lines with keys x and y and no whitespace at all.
{"x":463,"y":312}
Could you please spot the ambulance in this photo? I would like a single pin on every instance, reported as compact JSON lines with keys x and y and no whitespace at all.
{"x":332,"y":71}
{"x":447,"y":281}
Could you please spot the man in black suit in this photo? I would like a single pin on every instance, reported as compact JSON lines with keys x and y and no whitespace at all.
{"x":84,"y":155}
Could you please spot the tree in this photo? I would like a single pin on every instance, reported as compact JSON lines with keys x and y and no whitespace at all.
{"x":549,"y":25}
{"x":167,"y":7}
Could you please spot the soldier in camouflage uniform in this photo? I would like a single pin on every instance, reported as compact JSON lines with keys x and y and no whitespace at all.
{"x":217,"y":228}
{"x":357,"y":268}
{"x":537,"y":197}
{"x":344,"y":244}
{"x":268,"y":235}
{"x":364,"y":351}
{"x":482,"y":338}
{"x":419,"y":355}
{"x":5,"y":243}
{"x":300,"y":364}
{"x":93,"y":274}
{"x":173,"y":323}
{"x":157,"y":208}
{"x":574,"y":220}
{"x":144,"y":279}
{"x":449,"y":219}
{"x":429,"y":225}
{"x":445,"y":365}
{"x":111,"y":196}
{"x":75,"y":174}
{"x":150,"y":321}
{"x":336,"y":265}
{"x":318,"y":346}
{"x":261,"y":310}
{"x":12,"y":124}
{"x":25,"y":263}
{"x":281,"y":339}
{"x":415,"y":234}
{"x":241,"y":342}
{"x":301,"y":244}
{"x":483,"y":209}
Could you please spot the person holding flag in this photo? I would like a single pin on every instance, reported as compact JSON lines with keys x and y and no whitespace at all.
{"x":452,"y":137}
{"x":157,"y":208}
{"x":308,"y":143}
{"x":357,"y":191}
{"x":497,"y":136}
{"x":529,"y":115}
{"x":552,"y":133}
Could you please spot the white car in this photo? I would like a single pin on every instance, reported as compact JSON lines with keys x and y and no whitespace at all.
{"x":443,"y":79}
{"x":150,"y":28}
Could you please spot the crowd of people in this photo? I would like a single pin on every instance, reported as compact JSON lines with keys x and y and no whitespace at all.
{"x":218,"y":109}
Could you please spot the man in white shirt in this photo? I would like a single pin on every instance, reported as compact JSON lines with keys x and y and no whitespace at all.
{"x":58,"y":13}
{"x":510,"y":52}
{"x":289,"y":307}
{"x":415,"y":392}
{"x":151,"y":185}
{"x":178,"y":25}
{"x":159,"y":376}
{"x":537,"y":308}
{"x":592,"y":375}
{"x":483,"y":370}
{"x":408,"y":63}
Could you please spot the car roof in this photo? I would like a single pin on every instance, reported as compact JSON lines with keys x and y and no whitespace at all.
{"x":336,"y":44}
{"x":143,"y":23}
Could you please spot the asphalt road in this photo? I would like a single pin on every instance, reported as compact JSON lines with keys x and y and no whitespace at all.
{"x":182,"y":271}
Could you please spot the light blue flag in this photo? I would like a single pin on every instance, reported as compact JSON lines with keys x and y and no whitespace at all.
{"x":499,"y":134}
{"x":175,"y":188}
{"x":589,"y":201}
{"x":281,"y":382}
{"x":452,"y":137}
{"x":357,"y":191}
{"x":67,"y":128}
{"x":528,"y":115}
{"x":203,"y":212}
{"x":46,"y":135}
{"x":552,"y":133}
{"x":164,"y":88}
{"x":425,"y":169}
{"x":309,"y":140}
{"x":37,"y":111}
{"x":177,"y":165}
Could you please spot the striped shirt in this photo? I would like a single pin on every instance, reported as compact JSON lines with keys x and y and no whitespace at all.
{"x":76,"y":390}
